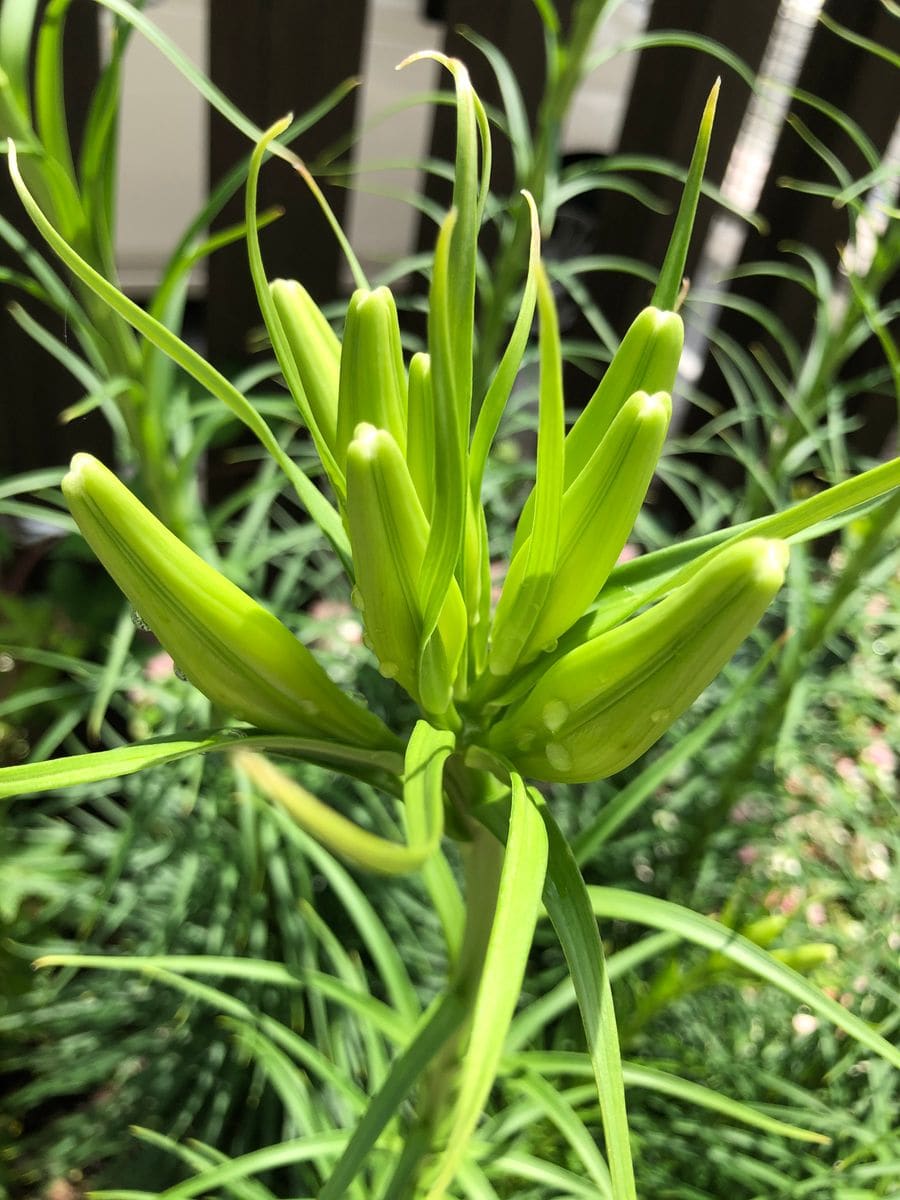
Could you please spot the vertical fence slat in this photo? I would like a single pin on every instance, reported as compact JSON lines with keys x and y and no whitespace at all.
{"x":670,"y":89}
{"x":35,"y":387}
{"x":271,"y":57}
{"x":859,"y":84}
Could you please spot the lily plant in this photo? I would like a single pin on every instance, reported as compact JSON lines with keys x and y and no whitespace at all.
{"x":578,"y":669}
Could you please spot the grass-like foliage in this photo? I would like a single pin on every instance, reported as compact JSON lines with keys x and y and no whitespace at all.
{"x":377,"y":1048}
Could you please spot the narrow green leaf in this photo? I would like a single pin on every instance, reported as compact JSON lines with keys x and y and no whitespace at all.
{"x":618,"y":905}
{"x":386,"y":957}
{"x":126,"y":760}
{"x":193,"y":363}
{"x":335,"y":831}
{"x":518,"y":125}
{"x":672,"y":272}
{"x":527,"y":587}
{"x":856,"y":39}
{"x":108,"y":681}
{"x":570,"y":1125}
{"x":283,"y":1154}
{"x":650,"y":576}
{"x":569,"y":908}
{"x":256,"y":970}
{"x":445,"y":538}
{"x":31,"y":481}
{"x":197,"y":1161}
{"x":450,"y":338}
{"x":56,"y":348}
{"x":49,"y":102}
{"x":563,"y":1062}
{"x":501,"y":385}
{"x":31,"y":778}
{"x":555,"y":1180}
{"x":435,"y":1027}
{"x":59,"y":295}
{"x":518,"y":900}
{"x":640,"y":1075}
{"x":530,"y":1022}
{"x":179,"y":60}
{"x":423,"y":817}
{"x":668,"y":38}
{"x":308,"y":1056}
{"x":270,"y":313}
{"x":380,"y":1015}
{"x":17,"y":22}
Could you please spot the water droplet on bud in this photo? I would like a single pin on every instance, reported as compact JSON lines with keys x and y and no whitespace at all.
{"x":388,"y":669}
{"x":558,"y":756}
{"x":357,"y":599}
{"x":554,"y":714}
{"x":659,"y":715}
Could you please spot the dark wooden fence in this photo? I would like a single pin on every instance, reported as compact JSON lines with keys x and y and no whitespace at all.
{"x":275,"y":55}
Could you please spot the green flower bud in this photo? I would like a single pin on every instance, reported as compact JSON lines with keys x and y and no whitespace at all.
{"x":598,"y":512}
{"x":599,"y":707}
{"x":646,"y":361}
{"x":373,"y":378}
{"x":388,"y":534}
{"x":420,"y":430}
{"x":315,"y":349}
{"x":225,"y":644}
{"x":806,"y":958}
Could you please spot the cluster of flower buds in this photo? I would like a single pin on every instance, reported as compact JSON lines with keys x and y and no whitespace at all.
{"x":225,"y":643}
{"x":406,"y":470}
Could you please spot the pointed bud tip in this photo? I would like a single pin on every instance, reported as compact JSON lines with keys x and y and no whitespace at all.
{"x":652,"y":407}
{"x":81,"y":464}
{"x":764,"y":560}
{"x":366,"y":438}
{"x":773,"y":559}
{"x":281,"y":286}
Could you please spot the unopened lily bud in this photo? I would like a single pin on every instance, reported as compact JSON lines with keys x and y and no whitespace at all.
{"x":646,"y":361}
{"x":373,"y":379}
{"x":766,"y":929}
{"x":598,"y":511}
{"x":807,"y":957}
{"x":420,"y":430}
{"x":315,"y":349}
{"x":599,"y":707}
{"x":388,"y":535}
{"x":238,"y":654}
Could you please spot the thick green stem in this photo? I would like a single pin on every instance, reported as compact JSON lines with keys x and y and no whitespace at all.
{"x":483,"y":862}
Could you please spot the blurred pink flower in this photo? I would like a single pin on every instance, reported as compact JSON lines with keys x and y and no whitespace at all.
{"x":794,"y":785}
{"x":816,"y":914}
{"x":748,"y":855}
{"x":877,"y":605}
{"x":879,"y":754}
{"x":159,"y":667}
{"x":329,"y":610}
{"x":847,"y":769}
